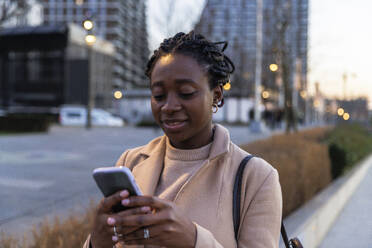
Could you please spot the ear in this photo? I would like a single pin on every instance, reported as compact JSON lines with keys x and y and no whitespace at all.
{"x":217,"y":94}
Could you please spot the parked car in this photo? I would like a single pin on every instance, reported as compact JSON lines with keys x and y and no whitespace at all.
{"x":77,"y":116}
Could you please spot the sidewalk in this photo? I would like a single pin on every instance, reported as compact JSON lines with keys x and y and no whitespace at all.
{"x":353,"y":227}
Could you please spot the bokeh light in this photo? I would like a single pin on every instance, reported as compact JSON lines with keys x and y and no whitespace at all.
{"x":273,"y":67}
{"x":90,"y":39}
{"x":227,"y":86}
{"x":88,"y":24}
{"x":340,"y":111}
{"x":118,"y":95}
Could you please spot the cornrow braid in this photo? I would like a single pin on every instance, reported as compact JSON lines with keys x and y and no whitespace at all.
{"x":207,"y":53}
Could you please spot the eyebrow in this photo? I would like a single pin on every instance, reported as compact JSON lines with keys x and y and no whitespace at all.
{"x":177,"y":81}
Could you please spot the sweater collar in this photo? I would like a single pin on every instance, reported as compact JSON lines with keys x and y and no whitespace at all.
{"x":147,"y":172}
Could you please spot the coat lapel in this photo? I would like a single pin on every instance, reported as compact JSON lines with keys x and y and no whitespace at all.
{"x":206,"y":182}
{"x":147,"y":172}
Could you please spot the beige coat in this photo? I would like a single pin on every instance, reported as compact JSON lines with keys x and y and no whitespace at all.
{"x":207,"y":197}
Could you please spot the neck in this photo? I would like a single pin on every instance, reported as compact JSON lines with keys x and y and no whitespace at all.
{"x":199,"y":140}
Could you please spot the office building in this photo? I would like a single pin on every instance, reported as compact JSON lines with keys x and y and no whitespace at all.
{"x":236,"y":22}
{"x":52,"y":68}
{"x":121,"y":22}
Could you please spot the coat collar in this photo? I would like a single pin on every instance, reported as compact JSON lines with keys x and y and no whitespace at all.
{"x":221,"y":142}
{"x":147,"y":172}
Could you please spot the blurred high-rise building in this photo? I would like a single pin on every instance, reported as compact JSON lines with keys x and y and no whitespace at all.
{"x":121,"y":22}
{"x":236,"y":22}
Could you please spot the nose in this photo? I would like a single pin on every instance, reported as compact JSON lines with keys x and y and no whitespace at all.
{"x":171,"y":105}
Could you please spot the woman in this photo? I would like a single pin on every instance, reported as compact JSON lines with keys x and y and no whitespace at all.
{"x":187,"y":175}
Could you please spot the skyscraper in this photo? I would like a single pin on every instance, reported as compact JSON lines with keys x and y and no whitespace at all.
{"x":121,"y":22}
{"x":236,"y":22}
{"x":233,"y":21}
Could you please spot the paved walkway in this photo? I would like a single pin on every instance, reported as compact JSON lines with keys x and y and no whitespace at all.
{"x":353,"y":228}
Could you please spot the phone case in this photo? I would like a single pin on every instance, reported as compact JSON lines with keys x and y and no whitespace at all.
{"x":113,"y":179}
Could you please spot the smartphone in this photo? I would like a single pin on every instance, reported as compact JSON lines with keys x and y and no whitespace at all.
{"x":113,"y":179}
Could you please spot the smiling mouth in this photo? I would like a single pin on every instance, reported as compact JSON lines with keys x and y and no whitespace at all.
{"x":174,"y":125}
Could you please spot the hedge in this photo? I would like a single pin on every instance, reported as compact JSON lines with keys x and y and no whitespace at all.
{"x":348,"y":144}
{"x":25,"y":123}
{"x":302,"y":162}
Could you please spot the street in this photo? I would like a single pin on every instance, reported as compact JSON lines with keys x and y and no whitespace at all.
{"x":44,"y":175}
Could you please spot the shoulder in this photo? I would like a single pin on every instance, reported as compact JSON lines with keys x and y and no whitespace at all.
{"x":257,"y":171}
{"x":133,"y":156}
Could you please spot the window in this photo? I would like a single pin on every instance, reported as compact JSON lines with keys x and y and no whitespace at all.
{"x":74,"y":115}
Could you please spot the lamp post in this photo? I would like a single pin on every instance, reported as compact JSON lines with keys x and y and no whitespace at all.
{"x":256,"y":125}
{"x":90,"y":39}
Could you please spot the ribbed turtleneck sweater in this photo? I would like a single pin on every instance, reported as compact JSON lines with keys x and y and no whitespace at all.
{"x":179,"y":166}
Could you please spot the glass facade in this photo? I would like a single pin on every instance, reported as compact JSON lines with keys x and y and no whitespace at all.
{"x":235,"y":21}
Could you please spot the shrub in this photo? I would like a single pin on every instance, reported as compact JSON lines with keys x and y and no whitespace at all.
{"x":25,"y":123}
{"x":71,"y":232}
{"x":302,"y":162}
{"x":348,"y":144}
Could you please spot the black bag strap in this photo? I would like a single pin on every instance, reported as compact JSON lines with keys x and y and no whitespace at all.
{"x":237,"y":194}
{"x":237,"y":200}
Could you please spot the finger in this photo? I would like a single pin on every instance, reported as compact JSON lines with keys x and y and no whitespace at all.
{"x":114,"y":219}
{"x":110,"y":201}
{"x":139,"y":234}
{"x":133,"y":211}
{"x":121,"y":231}
{"x":154,"y":202}
{"x":141,"y":220}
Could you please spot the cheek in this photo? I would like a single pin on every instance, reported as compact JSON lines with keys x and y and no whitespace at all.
{"x":202,"y":109}
{"x":155,"y":109}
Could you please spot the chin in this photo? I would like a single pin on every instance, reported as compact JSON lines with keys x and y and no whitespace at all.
{"x":177,"y":138}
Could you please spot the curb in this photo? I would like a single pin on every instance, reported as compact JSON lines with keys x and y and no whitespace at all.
{"x":312,"y":221}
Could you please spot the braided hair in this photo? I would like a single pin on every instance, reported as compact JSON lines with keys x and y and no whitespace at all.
{"x":206,"y":53}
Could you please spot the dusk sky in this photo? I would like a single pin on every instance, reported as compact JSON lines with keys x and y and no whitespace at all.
{"x":340,"y":41}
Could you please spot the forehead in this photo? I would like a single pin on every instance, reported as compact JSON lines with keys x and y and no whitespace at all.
{"x":177,"y":66}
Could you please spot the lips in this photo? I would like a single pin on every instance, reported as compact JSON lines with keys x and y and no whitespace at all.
{"x":173,"y":124}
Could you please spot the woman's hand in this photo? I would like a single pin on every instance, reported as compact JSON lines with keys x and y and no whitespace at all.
{"x":166,"y":225}
{"x":103,"y":234}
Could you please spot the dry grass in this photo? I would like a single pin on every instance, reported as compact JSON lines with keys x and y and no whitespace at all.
{"x":302,"y":161}
{"x":70,"y":232}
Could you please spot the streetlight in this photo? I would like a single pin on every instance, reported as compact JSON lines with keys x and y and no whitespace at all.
{"x":118,"y":95}
{"x":340,"y":111}
{"x":256,"y":124}
{"x":90,"y":39}
{"x":88,"y":24}
{"x":346,"y":116}
{"x":265,"y":94}
{"x":273,"y":67}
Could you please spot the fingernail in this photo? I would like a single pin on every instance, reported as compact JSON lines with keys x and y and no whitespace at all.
{"x":145,"y":209}
{"x":110,"y":221}
{"x":124,"y":193}
{"x":115,"y":238}
{"x":125,"y":202}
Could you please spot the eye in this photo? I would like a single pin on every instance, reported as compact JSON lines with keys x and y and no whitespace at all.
{"x":187,"y":95}
{"x":158,"y":97}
